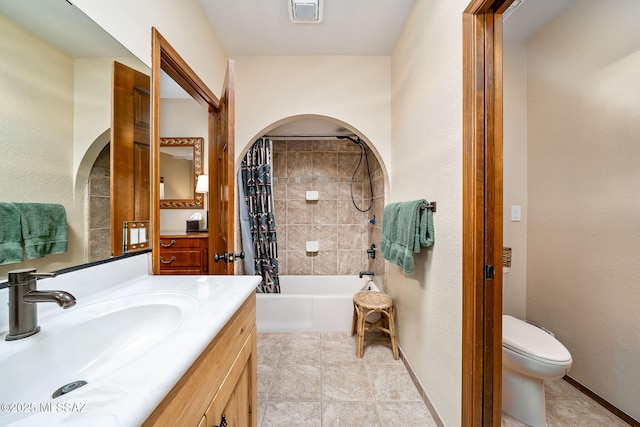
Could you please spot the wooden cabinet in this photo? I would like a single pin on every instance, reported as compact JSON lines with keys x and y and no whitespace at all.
{"x":222,"y":381}
{"x":234,"y":397}
{"x":184,"y":254}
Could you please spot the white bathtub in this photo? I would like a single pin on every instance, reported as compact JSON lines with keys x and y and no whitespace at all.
{"x":310,"y":303}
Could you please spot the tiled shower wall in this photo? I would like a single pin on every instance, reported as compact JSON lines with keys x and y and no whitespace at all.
{"x":343,"y":232}
{"x":99,"y":208}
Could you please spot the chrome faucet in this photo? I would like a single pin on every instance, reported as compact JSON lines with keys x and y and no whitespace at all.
{"x":366,"y":273}
{"x":23,"y":296}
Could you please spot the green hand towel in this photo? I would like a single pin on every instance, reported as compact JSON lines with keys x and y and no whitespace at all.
{"x":10,"y":234}
{"x":406,"y":227}
{"x":44,"y":228}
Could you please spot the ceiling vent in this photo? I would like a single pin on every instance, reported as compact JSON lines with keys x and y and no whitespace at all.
{"x":305,"y":11}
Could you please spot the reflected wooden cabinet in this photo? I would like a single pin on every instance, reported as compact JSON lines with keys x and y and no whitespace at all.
{"x":222,"y":381}
{"x":184,"y":253}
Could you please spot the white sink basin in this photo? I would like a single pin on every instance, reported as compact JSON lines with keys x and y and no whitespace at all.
{"x":88,"y":343}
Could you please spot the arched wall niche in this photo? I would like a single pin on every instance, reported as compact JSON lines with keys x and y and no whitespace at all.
{"x":92,"y":189}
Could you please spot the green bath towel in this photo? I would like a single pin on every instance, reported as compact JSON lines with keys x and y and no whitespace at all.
{"x":44,"y":228}
{"x":10,"y":234}
{"x":406,"y":227}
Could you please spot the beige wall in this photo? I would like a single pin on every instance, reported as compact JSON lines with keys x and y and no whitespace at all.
{"x":30,"y":69}
{"x":353,"y":90}
{"x":584,"y":192}
{"x":426,"y":162}
{"x":515,"y":175}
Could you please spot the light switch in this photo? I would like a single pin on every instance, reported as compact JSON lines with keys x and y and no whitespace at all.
{"x":516,"y":213}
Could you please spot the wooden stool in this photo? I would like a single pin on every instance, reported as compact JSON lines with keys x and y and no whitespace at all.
{"x":365,"y":303}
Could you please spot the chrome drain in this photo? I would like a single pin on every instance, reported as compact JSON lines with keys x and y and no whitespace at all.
{"x":68,"y":388}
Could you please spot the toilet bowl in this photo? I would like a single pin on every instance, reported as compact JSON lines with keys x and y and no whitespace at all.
{"x":530,"y":356}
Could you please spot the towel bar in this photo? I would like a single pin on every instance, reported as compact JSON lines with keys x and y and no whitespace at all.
{"x":431,"y":206}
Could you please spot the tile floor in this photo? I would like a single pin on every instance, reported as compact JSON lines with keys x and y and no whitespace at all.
{"x":315,"y":380}
{"x":568,"y":406}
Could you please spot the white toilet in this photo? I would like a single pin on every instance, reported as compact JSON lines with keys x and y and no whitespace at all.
{"x":530,"y":356}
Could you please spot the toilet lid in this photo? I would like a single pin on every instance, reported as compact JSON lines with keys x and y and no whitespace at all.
{"x":532,"y":342}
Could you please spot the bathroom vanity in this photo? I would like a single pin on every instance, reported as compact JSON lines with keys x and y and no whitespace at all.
{"x":221,"y":382}
{"x":153,"y":350}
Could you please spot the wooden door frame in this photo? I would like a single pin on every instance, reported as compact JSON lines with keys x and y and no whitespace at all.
{"x":482,"y":213}
{"x":164,"y":57}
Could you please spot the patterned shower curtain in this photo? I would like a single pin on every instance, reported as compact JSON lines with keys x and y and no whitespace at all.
{"x":258,"y":195}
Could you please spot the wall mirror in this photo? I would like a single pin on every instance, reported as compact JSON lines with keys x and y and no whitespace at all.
{"x":55,"y":98}
{"x":180,"y":166}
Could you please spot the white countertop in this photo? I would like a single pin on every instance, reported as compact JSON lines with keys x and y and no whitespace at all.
{"x":128,"y":394}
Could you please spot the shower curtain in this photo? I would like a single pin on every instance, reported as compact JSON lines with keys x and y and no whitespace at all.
{"x":257,"y":222}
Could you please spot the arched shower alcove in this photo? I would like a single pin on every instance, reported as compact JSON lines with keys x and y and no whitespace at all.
{"x":93,"y":185}
{"x":312,"y":154}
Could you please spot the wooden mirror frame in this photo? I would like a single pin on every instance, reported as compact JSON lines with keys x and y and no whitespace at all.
{"x":197,"y":201}
{"x":165,"y":58}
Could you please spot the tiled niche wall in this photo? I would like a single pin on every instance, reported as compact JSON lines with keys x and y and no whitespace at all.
{"x":343,"y":232}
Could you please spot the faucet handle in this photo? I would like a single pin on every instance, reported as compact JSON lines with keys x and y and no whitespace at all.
{"x":42,"y":275}
{"x":22,"y":276}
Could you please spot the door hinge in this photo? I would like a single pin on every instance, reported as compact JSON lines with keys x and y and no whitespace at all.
{"x":488,"y":271}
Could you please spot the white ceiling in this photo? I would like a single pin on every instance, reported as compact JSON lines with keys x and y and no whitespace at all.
{"x":262,"y":27}
{"x":349,"y":27}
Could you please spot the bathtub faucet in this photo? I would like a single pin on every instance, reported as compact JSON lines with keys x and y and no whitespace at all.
{"x":366,"y":273}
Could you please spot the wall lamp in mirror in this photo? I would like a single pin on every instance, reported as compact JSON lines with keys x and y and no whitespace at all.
{"x":180,"y":166}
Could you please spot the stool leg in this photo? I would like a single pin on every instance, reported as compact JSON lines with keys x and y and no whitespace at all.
{"x":392,"y":332}
{"x":362,"y":315}
{"x":354,"y":321}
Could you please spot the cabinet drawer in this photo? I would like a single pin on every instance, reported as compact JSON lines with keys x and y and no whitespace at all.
{"x":183,"y":255}
{"x":178,"y":243}
{"x":180,"y":259}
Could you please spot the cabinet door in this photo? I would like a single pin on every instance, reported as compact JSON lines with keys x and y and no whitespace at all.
{"x":236,"y":409}
{"x":237,"y":397}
